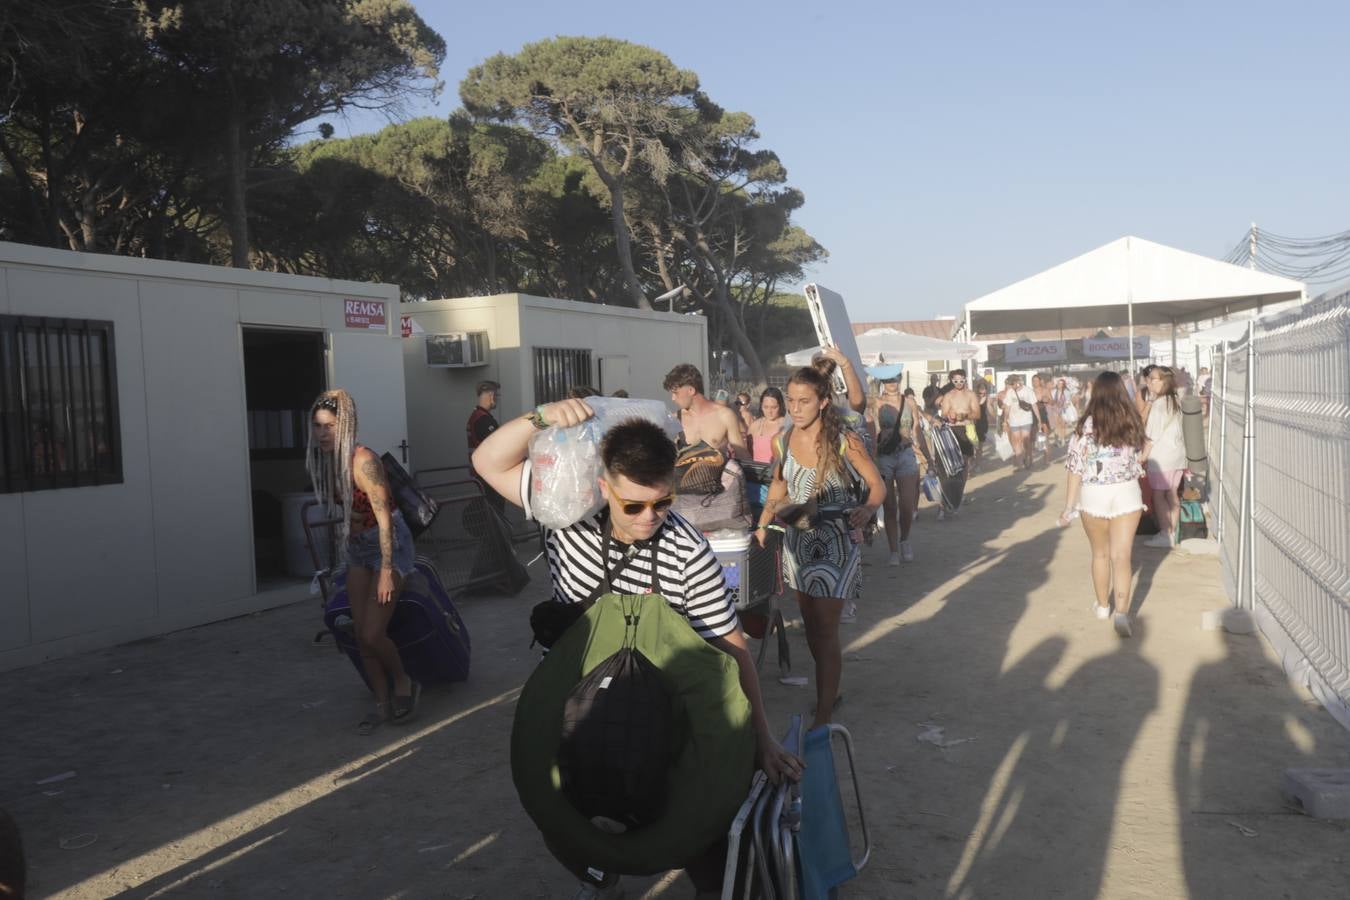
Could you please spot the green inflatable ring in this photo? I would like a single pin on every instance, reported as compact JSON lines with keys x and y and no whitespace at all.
{"x":712,"y":771}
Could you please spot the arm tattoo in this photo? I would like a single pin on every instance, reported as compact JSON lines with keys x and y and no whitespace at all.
{"x":373,"y":469}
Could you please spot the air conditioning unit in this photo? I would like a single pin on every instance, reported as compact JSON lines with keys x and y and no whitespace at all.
{"x":457,"y":350}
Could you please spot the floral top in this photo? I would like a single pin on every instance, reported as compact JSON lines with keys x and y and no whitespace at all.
{"x":1101,"y":465}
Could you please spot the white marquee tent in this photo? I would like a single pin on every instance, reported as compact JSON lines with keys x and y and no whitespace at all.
{"x":878,"y":345}
{"x":1127,"y":282}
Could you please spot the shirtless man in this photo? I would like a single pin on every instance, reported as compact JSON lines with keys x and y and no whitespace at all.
{"x":703,"y":420}
{"x":960,"y":407}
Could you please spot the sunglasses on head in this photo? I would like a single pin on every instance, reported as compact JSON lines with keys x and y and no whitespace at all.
{"x":635,"y":507}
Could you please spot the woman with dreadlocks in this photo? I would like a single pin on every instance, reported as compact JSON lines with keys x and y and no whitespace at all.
{"x":826,"y":488}
{"x":378,"y":547}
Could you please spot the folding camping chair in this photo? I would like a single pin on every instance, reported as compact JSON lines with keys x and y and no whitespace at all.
{"x":799,"y":844}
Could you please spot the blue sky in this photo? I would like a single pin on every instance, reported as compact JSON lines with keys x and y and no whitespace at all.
{"x":947,"y":150}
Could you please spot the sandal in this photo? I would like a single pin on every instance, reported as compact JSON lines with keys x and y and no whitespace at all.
{"x":406,"y":706}
{"x":373,"y":720}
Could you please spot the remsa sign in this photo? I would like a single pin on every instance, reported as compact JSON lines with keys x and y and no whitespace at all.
{"x":364,"y":314}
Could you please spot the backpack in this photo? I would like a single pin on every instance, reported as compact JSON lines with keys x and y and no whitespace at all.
{"x":616,"y":749}
{"x":727,"y":507}
{"x":698,"y":469}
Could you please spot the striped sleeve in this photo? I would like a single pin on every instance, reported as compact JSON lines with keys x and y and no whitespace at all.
{"x":707,"y":604}
{"x":574,"y":561}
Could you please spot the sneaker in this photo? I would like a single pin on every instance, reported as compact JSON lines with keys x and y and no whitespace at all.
{"x":1122,"y":624}
{"x":906,"y":551}
{"x":849,"y":615}
{"x":942,"y":514}
{"x":1160,"y":540}
{"x":894,"y":560}
{"x":609,"y":890}
{"x":1103,"y":612}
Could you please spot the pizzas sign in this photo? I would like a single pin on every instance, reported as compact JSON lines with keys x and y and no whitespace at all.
{"x":367,"y":315}
{"x":1034,"y":351}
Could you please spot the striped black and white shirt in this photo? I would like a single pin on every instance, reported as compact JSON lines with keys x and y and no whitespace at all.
{"x":690,"y":575}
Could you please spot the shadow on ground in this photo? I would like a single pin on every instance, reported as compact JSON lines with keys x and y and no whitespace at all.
{"x":223,"y":761}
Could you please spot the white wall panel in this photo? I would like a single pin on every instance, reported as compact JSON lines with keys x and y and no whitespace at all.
{"x":370,"y":367}
{"x":90,"y":550}
{"x":198,"y":443}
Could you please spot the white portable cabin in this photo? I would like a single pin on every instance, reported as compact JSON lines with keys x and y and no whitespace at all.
{"x":537,"y":349}
{"x":153,"y":419}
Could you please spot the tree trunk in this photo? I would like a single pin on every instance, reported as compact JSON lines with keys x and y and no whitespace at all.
{"x":740,"y":339}
{"x":236,"y":205}
{"x":624,"y":245}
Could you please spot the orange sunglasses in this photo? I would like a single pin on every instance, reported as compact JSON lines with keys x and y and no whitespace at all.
{"x":634,"y":507}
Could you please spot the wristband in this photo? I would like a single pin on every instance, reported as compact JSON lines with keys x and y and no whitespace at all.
{"x":536,"y":418}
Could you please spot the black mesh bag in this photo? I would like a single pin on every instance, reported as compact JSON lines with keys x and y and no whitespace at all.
{"x":618,"y":741}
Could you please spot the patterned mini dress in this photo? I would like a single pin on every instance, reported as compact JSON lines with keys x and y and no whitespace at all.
{"x":822,"y":561}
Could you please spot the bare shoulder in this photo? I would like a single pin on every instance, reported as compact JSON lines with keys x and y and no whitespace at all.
{"x":367,"y":467}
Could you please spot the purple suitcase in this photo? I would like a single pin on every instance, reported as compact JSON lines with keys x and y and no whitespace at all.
{"x":431,"y":638}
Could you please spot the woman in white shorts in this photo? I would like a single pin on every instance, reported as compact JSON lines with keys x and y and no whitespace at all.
{"x":1106,"y":457}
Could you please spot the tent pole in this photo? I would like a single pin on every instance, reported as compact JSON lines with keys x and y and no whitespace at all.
{"x":970,"y":363}
{"x":1129,"y":305}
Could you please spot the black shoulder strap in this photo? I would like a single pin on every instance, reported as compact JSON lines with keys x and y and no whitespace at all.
{"x":606,"y":585}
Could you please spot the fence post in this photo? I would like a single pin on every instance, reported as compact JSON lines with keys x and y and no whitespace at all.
{"x":1223,"y":434}
{"x":1249,"y":452}
{"x":1245,"y":493}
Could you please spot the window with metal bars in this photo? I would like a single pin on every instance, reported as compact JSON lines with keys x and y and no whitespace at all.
{"x":557,"y":371}
{"x":59,"y":426}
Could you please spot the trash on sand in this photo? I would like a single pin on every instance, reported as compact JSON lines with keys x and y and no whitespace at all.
{"x":55,"y":778}
{"x":78,"y":841}
{"x":1242,"y":829}
{"x":934,"y":734}
{"x":794,"y":680}
{"x":434,"y":847}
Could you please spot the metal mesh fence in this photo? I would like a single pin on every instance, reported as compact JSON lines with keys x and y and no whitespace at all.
{"x":1232,"y":429}
{"x":1285,"y":527}
{"x":1301,"y":483}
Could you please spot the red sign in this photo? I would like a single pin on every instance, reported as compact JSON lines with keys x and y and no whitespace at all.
{"x":364,"y":314}
{"x":405,"y":325}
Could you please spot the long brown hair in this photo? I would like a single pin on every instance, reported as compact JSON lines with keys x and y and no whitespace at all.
{"x":1115,"y":421}
{"x":819,"y":376}
{"x":1169,"y":388}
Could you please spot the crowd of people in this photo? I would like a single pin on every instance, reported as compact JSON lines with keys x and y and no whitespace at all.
{"x":833,"y":465}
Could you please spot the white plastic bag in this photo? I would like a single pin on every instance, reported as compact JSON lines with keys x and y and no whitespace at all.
{"x":1003,"y":446}
{"x":565,"y":464}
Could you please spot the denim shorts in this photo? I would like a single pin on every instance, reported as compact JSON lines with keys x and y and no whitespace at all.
{"x":363,"y":550}
{"x":900,"y":464}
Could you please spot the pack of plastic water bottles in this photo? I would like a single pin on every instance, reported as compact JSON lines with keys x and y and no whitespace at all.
{"x":565,"y":464}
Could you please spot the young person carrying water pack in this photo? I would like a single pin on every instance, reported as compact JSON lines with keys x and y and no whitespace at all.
{"x":636,"y":546}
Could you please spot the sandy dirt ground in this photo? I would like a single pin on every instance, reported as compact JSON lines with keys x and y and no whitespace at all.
{"x":223,"y":761}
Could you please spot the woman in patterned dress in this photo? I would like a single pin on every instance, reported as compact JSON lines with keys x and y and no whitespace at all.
{"x":826,"y":488}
